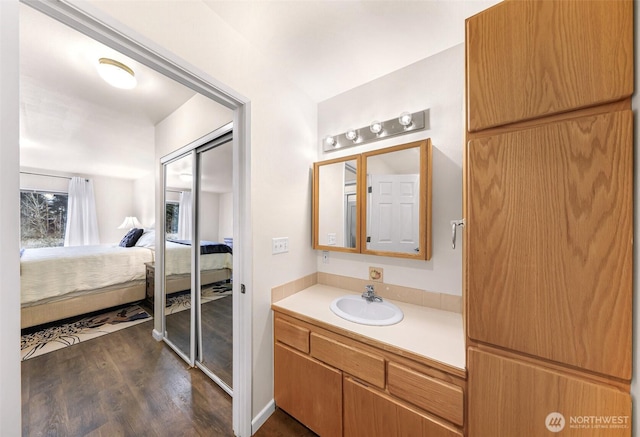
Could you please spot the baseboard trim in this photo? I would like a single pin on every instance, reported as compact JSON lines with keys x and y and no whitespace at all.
{"x":262,"y":416}
{"x":157,"y":335}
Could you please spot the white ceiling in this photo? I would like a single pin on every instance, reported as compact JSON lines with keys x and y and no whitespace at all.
{"x":328,"y":47}
{"x":73,"y":122}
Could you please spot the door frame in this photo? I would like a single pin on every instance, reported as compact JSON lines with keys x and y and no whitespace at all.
{"x":98,"y":25}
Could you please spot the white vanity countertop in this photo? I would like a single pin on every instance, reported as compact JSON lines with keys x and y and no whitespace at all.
{"x":434,"y":334}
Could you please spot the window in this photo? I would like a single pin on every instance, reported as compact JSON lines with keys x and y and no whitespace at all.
{"x":171,"y":219}
{"x":43,"y":217}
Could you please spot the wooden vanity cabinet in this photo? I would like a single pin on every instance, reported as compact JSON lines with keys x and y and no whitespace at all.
{"x":308,"y":390}
{"x":339,"y":386}
{"x":368,"y":412}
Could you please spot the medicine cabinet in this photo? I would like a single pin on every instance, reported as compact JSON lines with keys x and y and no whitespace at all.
{"x":378,"y":202}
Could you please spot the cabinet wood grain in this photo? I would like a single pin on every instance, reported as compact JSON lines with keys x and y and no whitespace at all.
{"x":295,"y":336}
{"x":522,"y":407}
{"x":370,"y":413}
{"x":438,"y":397}
{"x":309,"y":391}
{"x":527,"y":59}
{"x":354,"y":361}
{"x":549,"y":241}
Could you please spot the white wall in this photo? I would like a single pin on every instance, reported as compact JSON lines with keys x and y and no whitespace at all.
{"x":225,"y":221}
{"x":283,"y":138}
{"x":437,"y":84}
{"x":10,"y":405}
{"x":209,"y":216}
{"x":144,"y":200}
{"x":114,"y":199}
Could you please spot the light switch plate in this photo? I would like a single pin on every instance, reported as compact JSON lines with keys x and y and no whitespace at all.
{"x":279,"y":245}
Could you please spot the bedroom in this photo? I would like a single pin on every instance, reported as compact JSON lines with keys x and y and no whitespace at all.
{"x":74,"y":124}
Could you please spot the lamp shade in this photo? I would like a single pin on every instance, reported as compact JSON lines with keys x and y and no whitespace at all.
{"x":130,"y":223}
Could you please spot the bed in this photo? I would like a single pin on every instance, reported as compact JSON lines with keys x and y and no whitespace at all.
{"x":62,"y":282}
{"x":216,"y":263}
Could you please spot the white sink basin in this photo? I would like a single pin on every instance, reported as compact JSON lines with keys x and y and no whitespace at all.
{"x":359,"y":310}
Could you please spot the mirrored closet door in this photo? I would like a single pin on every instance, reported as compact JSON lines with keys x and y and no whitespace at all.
{"x":198,"y":255}
{"x":179,"y":226}
{"x":215,"y":231}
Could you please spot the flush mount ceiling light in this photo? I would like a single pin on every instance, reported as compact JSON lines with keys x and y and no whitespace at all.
{"x":186,"y":177}
{"x":377,"y":130}
{"x":116,"y":74}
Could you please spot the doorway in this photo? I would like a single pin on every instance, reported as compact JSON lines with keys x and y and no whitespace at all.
{"x":120,"y":38}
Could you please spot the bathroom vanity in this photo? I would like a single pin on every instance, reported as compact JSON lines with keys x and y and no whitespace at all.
{"x":343,"y":378}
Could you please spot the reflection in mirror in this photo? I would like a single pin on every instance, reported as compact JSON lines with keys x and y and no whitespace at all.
{"x":215,"y":230}
{"x":336,"y":213}
{"x":178,"y":230}
{"x":398,"y":201}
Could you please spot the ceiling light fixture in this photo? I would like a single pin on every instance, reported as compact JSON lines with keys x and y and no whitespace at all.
{"x":377,"y":130}
{"x":116,"y":74}
{"x":186,"y":177}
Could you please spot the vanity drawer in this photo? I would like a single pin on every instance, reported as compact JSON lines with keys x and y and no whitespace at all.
{"x":358,"y":363}
{"x":438,"y":397}
{"x":291,"y":335}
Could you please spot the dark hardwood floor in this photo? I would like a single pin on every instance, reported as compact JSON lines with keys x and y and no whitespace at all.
{"x":217,"y":335}
{"x":127,"y":384}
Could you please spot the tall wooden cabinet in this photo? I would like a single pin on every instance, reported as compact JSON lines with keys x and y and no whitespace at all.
{"x":549,"y":218}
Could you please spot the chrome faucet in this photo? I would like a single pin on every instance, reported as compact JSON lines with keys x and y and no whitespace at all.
{"x":370,"y":295}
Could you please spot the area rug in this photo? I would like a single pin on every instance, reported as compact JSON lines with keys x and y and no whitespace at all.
{"x":67,"y":334}
{"x":182,"y":301}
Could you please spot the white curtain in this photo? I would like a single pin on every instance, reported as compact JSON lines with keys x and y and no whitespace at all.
{"x":184,"y":216}
{"x":82,"y":221}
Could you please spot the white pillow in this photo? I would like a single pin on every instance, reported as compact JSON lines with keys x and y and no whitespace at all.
{"x":147,"y":239}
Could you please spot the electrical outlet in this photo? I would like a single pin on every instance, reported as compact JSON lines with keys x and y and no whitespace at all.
{"x":375,"y":274}
{"x":325,"y":257}
{"x":279,"y":245}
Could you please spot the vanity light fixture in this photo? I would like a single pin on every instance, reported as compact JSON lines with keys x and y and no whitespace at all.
{"x":377,"y":130}
{"x":352,"y":135}
{"x":116,"y":74}
{"x":376,"y":127}
{"x":330,"y":141}
{"x":405,"y":119}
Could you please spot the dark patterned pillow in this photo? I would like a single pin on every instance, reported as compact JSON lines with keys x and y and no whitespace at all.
{"x":131,"y":237}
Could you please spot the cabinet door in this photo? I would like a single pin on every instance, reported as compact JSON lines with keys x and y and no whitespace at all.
{"x":370,"y":413}
{"x":549,"y":241}
{"x":530,"y":58}
{"x":510,"y":398}
{"x":309,"y":391}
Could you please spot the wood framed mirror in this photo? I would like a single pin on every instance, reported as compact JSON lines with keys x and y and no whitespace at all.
{"x":378,"y":202}
{"x":336,"y":210}
{"x":396,"y":208}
